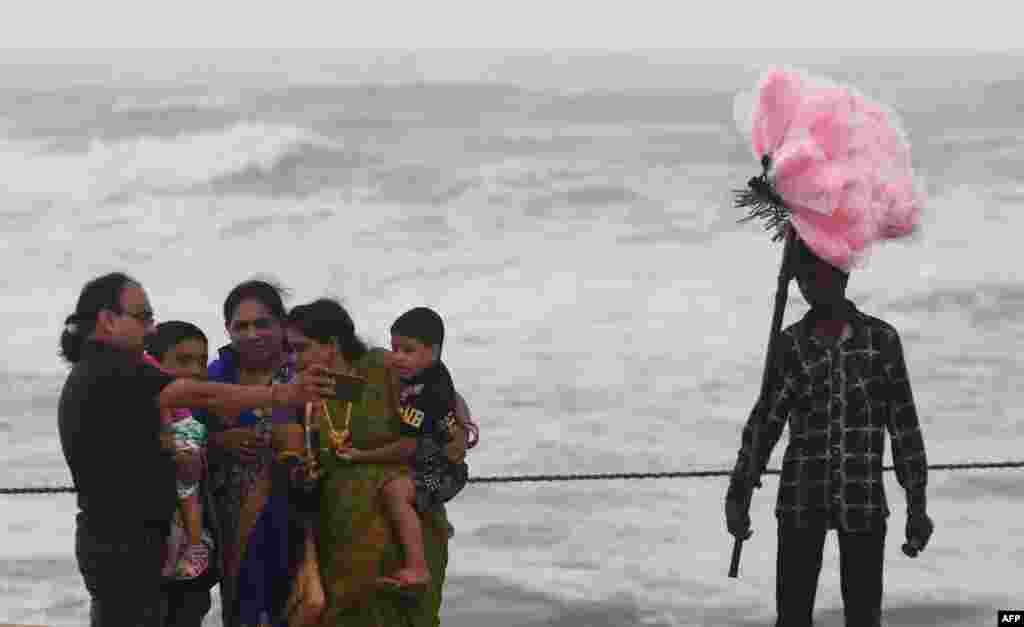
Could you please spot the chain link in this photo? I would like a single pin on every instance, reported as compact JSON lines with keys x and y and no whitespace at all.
{"x":691,"y":474}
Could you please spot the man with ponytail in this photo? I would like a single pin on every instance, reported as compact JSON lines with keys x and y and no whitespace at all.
{"x":109,"y":422}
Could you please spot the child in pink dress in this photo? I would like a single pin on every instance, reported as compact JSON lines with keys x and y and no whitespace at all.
{"x":182,"y":355}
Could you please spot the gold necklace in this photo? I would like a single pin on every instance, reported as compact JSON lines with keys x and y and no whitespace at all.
{"x":337,"y":438}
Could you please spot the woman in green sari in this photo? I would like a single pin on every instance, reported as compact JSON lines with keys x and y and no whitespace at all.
{"x":357,"y":544}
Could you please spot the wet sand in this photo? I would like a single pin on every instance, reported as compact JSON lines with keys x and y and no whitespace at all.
{"x":469,"y":602}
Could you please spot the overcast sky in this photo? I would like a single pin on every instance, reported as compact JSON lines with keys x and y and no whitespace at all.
{"x":602,"y":24}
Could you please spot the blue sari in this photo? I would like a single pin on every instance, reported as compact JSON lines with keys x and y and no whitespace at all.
{"x":259,"y":539}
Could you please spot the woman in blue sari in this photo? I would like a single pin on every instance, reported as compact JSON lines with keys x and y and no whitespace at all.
{"x":260,"y":537}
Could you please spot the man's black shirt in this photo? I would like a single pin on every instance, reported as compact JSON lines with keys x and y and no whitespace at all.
{"x":839,"y":400}
{"x":109,"y":422}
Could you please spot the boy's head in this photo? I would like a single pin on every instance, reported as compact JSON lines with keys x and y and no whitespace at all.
{"x":416,"y":338}
{"x":821,"y":283}
{"x":181,"y":348}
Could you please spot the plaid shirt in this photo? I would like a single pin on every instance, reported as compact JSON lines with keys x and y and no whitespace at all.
{"x":838,"y":399}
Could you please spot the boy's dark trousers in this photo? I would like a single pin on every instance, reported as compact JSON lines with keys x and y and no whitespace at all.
{"x":121,"y":568}
{"x":799,"y":563}
{"x":186,"y":603}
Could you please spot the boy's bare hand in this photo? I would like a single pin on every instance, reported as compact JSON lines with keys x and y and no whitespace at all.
{"x":455,"y":450}
{"x":348,"y":453}
{"x":343,"y":449}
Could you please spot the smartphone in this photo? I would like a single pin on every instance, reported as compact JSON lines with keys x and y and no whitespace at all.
{"x":348,"y":387}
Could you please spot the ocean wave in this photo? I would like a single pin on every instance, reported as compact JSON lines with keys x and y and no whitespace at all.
{"x":112,"y":170}
{"x":644,"y":106}
{"x":535,"y":184}
{"x":250,"y":225}
{"x":582,"y":200}
{"x":998,"y":140}
{"x":173,"y":102}
{"x":301,"y":169}
{"x":66,"y":120}
{"x":516,"y":173}
{"x":971,"y":487}
{"x":611,"y":138}
{"x":673,"y":234}
{"x":462,"y":272}
{"x":1010,"y":194}
{"x":986,"y":305}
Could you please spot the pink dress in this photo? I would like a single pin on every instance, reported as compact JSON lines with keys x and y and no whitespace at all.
{"x":185,"y":561}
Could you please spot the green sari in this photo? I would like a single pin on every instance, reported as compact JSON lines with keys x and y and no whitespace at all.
{"x":357,"y":541}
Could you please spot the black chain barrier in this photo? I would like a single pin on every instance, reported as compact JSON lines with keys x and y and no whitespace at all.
{"x":691,"y":474}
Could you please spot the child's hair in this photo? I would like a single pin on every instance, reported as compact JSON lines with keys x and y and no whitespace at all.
{"x":423,"y":324}
{"x":169,"y":334}
{"x":101,"y":293}
{"x":325,"y":320}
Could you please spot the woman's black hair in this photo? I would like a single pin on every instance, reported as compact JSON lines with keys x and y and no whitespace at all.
{"x":325,"y":320}
{"x":268,"y":294}
{"x":101,"y":293}
{"x":171,"y":333}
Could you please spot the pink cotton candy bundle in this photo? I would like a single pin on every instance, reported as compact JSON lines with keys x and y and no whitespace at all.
{"x":836,"y":165}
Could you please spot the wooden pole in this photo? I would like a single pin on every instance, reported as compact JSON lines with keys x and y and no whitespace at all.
{"x":767,"y":382}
